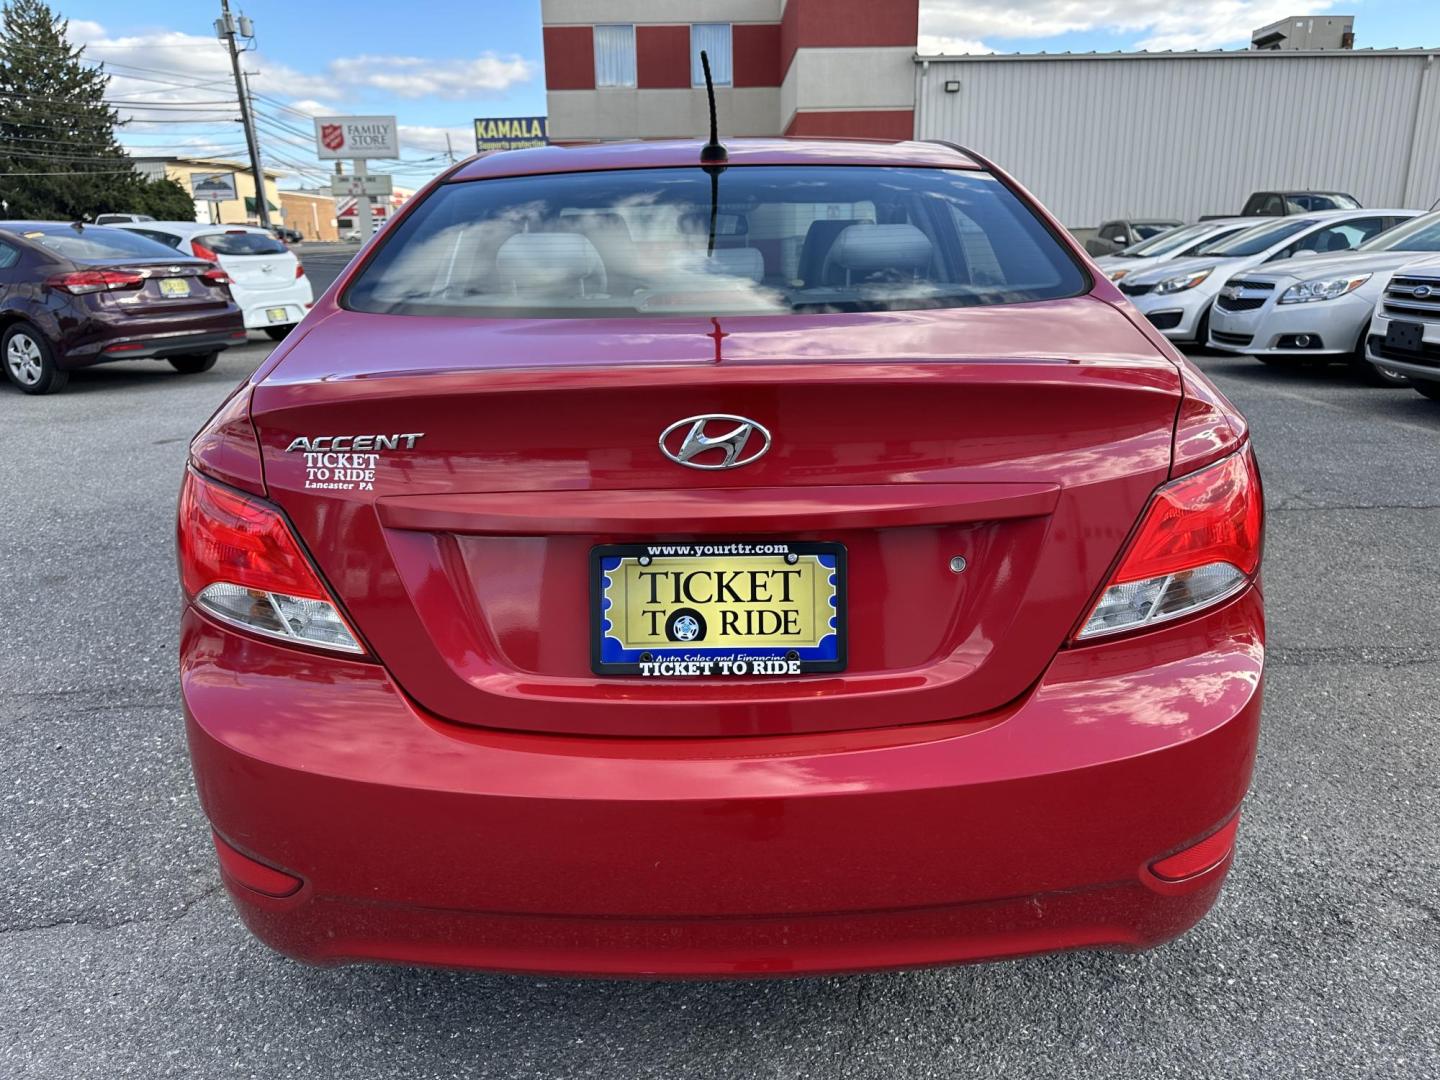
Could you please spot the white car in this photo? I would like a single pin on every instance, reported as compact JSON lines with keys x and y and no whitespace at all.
{"x":1176,"y":297}
{"x":1318,"y":309}
{"x":1175,"y":244}
{"x":1405,"y":330}
{"x":266,"y":279}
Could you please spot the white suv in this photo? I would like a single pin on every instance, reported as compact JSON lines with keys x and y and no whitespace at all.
{"x":1405,"y":332}
{"x":266,"y":278}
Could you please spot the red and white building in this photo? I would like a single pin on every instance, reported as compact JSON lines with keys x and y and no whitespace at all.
{"x":628,"y":68}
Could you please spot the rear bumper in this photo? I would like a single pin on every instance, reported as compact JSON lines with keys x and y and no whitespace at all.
{"x":150,"y":347}
{"x":1029,"y":831}
{"x":257,"y":304}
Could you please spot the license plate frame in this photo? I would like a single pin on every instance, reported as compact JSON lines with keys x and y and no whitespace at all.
{"x":1404,"y":336}
{"x":277,"y":314}
{"x":821,"y":649}
{"x":174,"y":288}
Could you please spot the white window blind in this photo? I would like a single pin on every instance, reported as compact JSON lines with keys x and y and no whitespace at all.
{"x":714,"y":38}
{"x":615,"y":55}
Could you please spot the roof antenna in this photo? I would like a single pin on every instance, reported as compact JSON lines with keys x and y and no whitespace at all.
{"x":712,"y":153}
{"x":712,"y":156}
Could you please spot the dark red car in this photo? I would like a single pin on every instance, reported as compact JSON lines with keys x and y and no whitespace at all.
{"x":802,"y":564}
{"x":76,"y":295}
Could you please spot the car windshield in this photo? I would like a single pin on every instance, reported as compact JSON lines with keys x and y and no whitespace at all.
{"x":239,"y":242}
{"x":1255,"y":239}
{"x":98,"y":244}
{"x":1417,"y":234}
{"x":1147,"y":229}
{"x":1165,"y":242}
{"x":774,"y":239}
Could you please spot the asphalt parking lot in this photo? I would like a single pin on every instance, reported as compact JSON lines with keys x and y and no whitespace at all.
{"x":122,"y":958}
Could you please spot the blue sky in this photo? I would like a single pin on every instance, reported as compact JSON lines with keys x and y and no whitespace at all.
{"x":439,"y":64}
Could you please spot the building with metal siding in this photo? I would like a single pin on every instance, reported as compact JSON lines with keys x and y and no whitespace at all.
{"x":1100,"y":136}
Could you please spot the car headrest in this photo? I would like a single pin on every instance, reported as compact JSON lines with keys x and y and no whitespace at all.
{"x":736,"y":262}
{"x":555,"y":263}
{"x":602,"y":222}
{"x":694,"y":222}
{"x":881,"y":247}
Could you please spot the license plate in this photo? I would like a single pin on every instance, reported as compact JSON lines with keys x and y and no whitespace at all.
{"x":724,"y":609}
{"x":1405,"y":336}
{"x":174,"y":286}
{"x":277,"y":314}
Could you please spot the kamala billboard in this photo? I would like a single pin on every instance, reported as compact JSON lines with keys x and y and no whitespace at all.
{"x":511,"y":132}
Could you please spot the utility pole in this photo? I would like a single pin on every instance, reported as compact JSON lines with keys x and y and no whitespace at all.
{"x":225,"y":28}
{"x":449,"y":150}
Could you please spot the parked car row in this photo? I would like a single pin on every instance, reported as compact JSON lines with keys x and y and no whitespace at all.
{"x":74,"y":295}
{"x":1301,"y":288}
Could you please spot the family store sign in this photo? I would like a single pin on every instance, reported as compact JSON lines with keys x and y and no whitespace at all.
{"x":349,"y":137}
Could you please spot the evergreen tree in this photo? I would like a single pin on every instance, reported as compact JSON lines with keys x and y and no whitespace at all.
{"x":59,"y":158}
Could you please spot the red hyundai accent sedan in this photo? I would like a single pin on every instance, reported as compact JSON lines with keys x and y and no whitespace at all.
{"x":802,"y":563}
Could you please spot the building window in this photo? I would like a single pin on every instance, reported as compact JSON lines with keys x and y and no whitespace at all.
{"x":615,"y":55}
{"x":714,"y":38}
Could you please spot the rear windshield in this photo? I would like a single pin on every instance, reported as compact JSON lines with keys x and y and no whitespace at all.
{"x":1305,"y":202}
{"x":102,"y":243}
{"x":765,"y":239}
{"x":242,"y":243}
{"x":1417,"y":234}
{"x":1256,"y":239}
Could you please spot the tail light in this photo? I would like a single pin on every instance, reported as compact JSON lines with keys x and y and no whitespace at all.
{"x":299,"y":269}
{"x":241,"y":564}
{"x":215,"y":276}
{"x":93,"y":281}
{"x":203,"y":252}
{"x":1198,"y":544}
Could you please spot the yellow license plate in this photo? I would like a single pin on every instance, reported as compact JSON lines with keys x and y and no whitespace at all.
{"x":727,"y":609}
{"x":277,"y":314}
{"x":174,"y":286}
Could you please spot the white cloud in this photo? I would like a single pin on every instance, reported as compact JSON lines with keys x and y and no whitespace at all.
{"x":940,"y":45}
{"x":193,"y":59}
{"x":423,"y":137}
{"x":1198,"y":24}
{"x":417,"y":77}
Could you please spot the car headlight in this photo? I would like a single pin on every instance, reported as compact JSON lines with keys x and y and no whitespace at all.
{"x":1183,"y":282}
{"x":1307,"y":292}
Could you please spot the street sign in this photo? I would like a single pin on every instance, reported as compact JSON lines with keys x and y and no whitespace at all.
{"x":342,"y":137}
{"x":213,"y":187}
{"x":511,"y":132}
{"x":349,"y":186}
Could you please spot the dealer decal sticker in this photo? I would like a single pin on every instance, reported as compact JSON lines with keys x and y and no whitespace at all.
{"x":346,"y":462}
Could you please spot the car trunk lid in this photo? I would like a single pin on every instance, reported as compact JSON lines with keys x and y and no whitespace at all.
{"x":978,"y":468}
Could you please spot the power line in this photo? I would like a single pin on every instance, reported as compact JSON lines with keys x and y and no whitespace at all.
{"x":76,"y":172}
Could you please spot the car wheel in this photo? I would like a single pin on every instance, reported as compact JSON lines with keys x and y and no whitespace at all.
{"x":30,"y":361}
{"x":1426,"y":388}
{"x":277,"y":333}
{"x":1202,"y":331}
{"x":194,"y":363}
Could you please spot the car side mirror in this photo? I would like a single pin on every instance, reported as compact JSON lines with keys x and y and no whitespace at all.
{"x":1119,"y":238}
